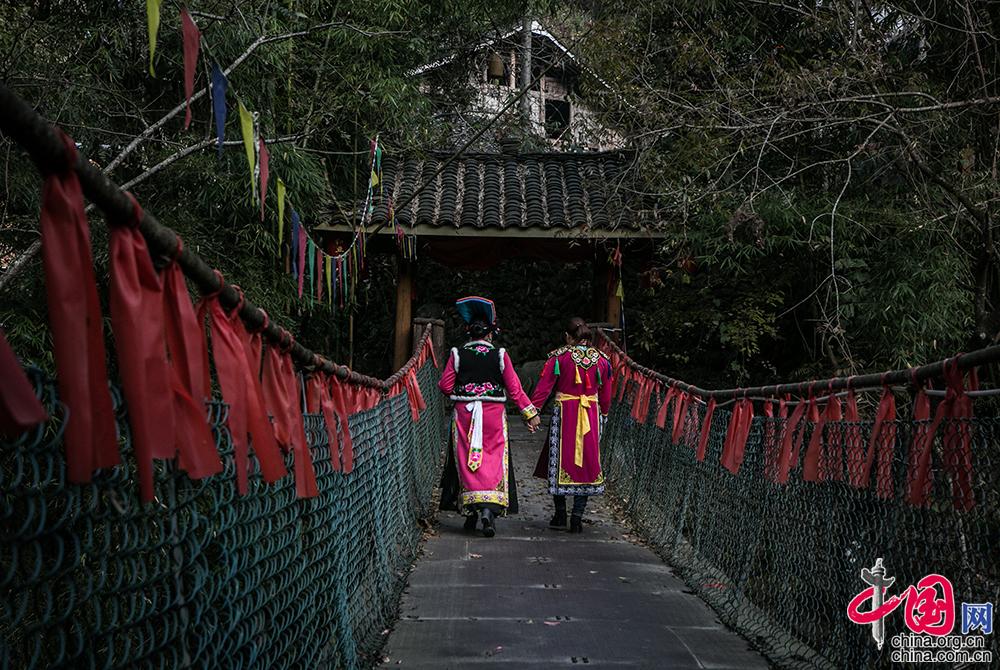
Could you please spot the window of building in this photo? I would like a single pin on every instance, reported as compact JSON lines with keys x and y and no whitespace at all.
{"x":556,"y":117}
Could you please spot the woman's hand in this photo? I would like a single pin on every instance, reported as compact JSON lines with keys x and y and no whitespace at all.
{"x":533,"y":423}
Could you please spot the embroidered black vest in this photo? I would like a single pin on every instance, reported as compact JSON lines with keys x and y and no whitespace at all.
{"x":478,"y":375}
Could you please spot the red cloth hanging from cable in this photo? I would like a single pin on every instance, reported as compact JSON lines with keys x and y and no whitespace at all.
{"x":197,"y":454}
{"x":680,"y":414}
{"x":881,"y":447}
{"x":320,"y":401}
{"x":706,"y":430}
{"x":956,"y":445}
{"x":274,"y":390}
{"x":811,"y":461}
{"x":661,"y":415}
{"x":414,"y":395}
{"x":192,"y":41}
{"x":340,"y":403}
{"x":788,"y":457}
{"x":90,"y":435}
{"x":20,"y":408}
{"x":305,"y":472}
{"x":137,"y":322}
{"x":736,"y":436}
{"x":247,"y":417}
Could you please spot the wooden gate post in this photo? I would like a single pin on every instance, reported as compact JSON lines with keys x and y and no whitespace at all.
{"x":404,"y":313}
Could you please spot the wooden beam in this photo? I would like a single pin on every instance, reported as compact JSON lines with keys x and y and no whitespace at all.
{"x":404,"y":313}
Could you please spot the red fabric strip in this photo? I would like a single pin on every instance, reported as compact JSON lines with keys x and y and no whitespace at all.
{"x":195,"y":445}
{"x":192,"y":40}
{"x":811,"y":462}
{"x":90,"y":435}
{"x":273,"y":387}
{"x":240,"y":389}
{"x":137,"y":321}
{"x":881,"y":447}
{"x":416,"y":398}
{"x":305,"y":473}
{"x":340,"y":402}
{"x":787,"y":459}
{"x":918,"y":479}
{"x":680,"y":414}
{"x":661,"y":415}
{"x":706,"y":430}
{"x":737,"y":434}
{"x":20,"y":408}
{"x":329,"y":410}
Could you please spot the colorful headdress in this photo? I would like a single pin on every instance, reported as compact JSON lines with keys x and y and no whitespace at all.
{"x":473,"y":308}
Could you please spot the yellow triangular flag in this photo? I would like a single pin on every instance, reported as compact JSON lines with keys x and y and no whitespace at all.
{"x":153,"y":23}
{"x":281,"y":212}
{"x":246,"y":126}
{"x":621,"y":290}
{"x":374,"y":180}
{"x":329,"y":280}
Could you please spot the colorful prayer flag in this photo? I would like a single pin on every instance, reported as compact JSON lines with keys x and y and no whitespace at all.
{"x":311,"y":263}
{"x":153,"y":23}
{"x":219,"y":84}
{"x":329,"y":281}
{"x":301,"y":248}
{"x":246,"y":127}
{"x":192,"y":42}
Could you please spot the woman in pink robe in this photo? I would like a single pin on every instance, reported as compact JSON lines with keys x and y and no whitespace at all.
{"x":479,"y":378}
{"x":571,"y":458}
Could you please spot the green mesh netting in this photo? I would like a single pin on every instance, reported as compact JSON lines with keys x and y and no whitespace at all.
{"x":781,"y":563}
{"x":202,"y":577}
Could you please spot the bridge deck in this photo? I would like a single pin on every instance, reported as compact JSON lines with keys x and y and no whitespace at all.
{"x":536,"y":598}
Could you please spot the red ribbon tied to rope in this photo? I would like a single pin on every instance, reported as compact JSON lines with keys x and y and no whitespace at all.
{"x":706,"y":430}
{"x":416,"y":398}
{"x":788,"y":456}
{"x":661,"y":415}
{"x":736,"y":435}
{"x":186,"y":344}
{"x":75,"y":321}
{"x":19,"y":406}
{"x":137,"y":320}
{"x":340,"y":403}
{"x":956,"y":444}
{"x":881,"y":448}
{"x":247,"y":418}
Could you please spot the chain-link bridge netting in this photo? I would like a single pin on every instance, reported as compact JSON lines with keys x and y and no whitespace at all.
{"x":780,"y":563}
{"x":203,"y":577}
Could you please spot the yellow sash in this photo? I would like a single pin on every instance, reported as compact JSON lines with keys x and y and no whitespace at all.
{"x":582,"y":421}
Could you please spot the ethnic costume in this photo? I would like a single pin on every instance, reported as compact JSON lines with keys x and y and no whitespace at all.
{"x":571,"y":458}
{"x":479,"y":378}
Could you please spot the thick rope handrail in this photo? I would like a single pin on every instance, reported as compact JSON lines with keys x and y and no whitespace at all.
{"x":26,"y":127}
{"x":876,"y":380}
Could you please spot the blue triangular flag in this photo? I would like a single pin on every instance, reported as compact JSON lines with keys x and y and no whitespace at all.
{"x":219,"y":104}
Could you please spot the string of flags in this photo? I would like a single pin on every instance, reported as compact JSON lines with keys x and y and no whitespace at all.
{"x":319,"y":276}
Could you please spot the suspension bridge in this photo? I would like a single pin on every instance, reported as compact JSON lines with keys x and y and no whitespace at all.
{"x":739,"y":526}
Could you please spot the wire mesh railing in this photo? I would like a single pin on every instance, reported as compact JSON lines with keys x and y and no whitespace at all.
{"x":204,"y":577}
{"x":780,"y":562}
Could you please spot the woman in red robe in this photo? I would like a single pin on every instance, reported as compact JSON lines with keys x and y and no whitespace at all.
{"x":479,"y":377}
{"x":571,"y":458}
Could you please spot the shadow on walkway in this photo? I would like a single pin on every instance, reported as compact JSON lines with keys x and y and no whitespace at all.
{"x":538,"y":598}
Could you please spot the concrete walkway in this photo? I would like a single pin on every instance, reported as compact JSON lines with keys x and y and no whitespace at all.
{"x":537,"y":598}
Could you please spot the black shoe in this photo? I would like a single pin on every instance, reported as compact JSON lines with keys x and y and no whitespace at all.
{"x":575,"y":524}
{"x":470,"y":522}
{"x":489,"y":530}
{"x":558,"y":520}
